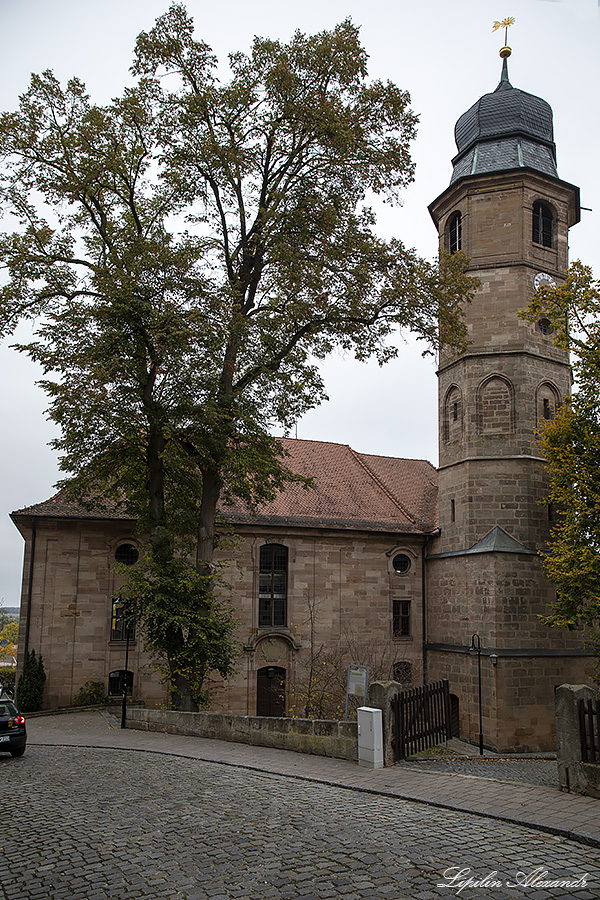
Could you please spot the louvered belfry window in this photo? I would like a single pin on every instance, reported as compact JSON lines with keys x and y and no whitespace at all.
{"x":543,"y":224}
{"x":272,"y":590}
{"x":455,"y":233}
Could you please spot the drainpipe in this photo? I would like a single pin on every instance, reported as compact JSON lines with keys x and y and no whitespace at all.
{"x":428,"y":538}
{"x":30,"y":586}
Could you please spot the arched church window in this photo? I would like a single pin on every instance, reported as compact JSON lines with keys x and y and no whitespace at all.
{"x":272,"y":588}
{"x":496,"y":406}
{"x":543,"y":224}
{"x":455,"y":233}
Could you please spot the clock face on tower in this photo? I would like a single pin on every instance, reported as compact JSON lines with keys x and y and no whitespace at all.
{"x":543,"y":280}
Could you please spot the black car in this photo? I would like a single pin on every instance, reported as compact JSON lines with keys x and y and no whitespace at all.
{"x":13,"y":734}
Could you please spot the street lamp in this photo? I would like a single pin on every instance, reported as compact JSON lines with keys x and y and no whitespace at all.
{"x":125,"y":674}
{"x":476,"y":647}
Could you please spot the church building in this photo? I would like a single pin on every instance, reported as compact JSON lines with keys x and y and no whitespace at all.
{"x":420,"y":573}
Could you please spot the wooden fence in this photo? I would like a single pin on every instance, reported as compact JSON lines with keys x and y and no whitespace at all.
{"x":421,"y":718}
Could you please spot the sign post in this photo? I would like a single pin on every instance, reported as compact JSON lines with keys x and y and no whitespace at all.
{"x":358,"y":684}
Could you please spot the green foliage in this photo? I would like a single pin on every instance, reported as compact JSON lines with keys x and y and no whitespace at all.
{"x":91,"y":694}
{"x":5,"y":617}
{"x":8,"y":674}
{"x":169,"y":355}
{"x":11,"y":633}
{"x":571,"y":445}
{"x":188,"y":631}
{"x":30,"y":686}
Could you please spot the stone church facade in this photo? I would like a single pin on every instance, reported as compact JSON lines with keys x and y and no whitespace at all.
{"x":420,"y":573}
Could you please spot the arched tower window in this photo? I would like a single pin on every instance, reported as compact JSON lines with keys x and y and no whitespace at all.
{"x":547,"y":401}
{"x":543,"y":224}
{"x":455,"y":233}
{"x":272,"y":588}
{"x":453,"y":414}
{"x":496,"y":406}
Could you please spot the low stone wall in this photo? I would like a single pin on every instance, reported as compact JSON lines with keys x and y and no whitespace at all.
{"x":573,"y":774}
{"x":318,"y":736}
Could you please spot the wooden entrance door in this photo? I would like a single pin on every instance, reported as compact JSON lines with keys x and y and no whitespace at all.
{"x":270,"y":691}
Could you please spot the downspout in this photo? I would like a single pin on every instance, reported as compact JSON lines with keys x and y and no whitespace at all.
{"x":30,"y":586}
{"x":428,"y":538}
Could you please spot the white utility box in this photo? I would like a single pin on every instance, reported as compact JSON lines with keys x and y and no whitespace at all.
{"x":370,"y":737}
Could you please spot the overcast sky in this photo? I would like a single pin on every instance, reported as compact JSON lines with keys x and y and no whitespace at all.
{"x":445,"y":54}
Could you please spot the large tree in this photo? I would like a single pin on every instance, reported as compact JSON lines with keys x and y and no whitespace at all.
{"x":189,"y":252}
{"x":571,"y":445}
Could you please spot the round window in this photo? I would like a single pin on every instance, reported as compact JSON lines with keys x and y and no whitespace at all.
{"x":401,"y":563}
{"x":545,"y":326}
{"x":127,"y":554}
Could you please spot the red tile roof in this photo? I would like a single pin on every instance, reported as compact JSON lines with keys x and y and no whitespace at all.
{"x":350,"y":490}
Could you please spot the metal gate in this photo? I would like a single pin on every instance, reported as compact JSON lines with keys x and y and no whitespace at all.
{"x":589,"y":730}
{"x":421,"y":718}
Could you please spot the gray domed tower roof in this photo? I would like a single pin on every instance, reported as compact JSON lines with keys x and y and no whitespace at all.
{"x":506,"y":129}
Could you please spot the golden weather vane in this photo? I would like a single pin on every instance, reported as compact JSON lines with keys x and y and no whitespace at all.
{"x":505,"y":23}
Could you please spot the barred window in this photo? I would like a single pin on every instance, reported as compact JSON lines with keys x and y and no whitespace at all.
{"x":272,"y":589}
{"x":402,"y":672}
{"x":127,"y":554}
{"x":117,"y":681}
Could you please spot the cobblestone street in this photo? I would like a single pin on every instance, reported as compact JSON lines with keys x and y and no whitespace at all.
{"x":94,"y":824}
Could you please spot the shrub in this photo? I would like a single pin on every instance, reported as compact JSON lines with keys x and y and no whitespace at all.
{"x":91,"y":694}
{"x":30,"y":687}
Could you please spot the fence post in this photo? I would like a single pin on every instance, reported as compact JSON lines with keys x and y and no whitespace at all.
{"x":571,"y":772}
{"x":381,"y":694}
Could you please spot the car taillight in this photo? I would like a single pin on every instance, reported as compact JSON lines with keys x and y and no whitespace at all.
{"x":19,"y":720}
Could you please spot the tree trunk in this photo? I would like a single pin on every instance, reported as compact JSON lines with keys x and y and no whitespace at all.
{"x":211,"y":491}
{"x":181,"y":695}
{"x":156,"y":475}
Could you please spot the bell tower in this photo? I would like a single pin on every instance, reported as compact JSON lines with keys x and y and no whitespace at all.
{"x":508,"y":210}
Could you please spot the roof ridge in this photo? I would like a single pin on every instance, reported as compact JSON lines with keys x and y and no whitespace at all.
{"x":378,"y":481}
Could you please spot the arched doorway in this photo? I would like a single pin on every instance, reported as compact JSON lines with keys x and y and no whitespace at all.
{"x":270,"y":691}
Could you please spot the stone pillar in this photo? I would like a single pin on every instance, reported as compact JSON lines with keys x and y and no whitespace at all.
{"x":572,"y":773}
{"x":380,"y":696}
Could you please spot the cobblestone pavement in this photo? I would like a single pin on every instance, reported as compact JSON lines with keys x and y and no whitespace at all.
{"x":95,"y":824}
{"x":523,"y":771}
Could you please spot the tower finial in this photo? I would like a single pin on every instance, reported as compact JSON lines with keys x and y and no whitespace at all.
{"x":505,"y":23}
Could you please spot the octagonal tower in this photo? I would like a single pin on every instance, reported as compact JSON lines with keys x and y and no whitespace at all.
{"x":508,"y":210}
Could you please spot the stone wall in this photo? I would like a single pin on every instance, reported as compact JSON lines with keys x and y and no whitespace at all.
{"x":320,"y":737}
{"x":573,"y":774}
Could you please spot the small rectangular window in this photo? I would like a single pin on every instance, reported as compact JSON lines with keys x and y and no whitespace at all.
{"x":120,"y":627}
{"x":401,"y":618}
